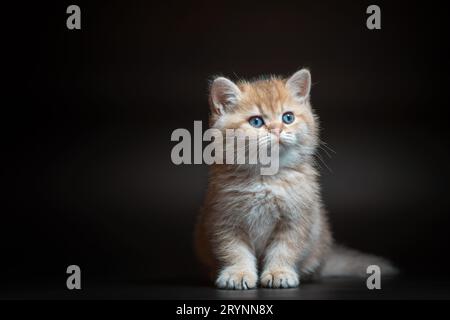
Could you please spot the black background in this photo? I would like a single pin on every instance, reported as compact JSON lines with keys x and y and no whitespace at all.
{"x":87,"y":116}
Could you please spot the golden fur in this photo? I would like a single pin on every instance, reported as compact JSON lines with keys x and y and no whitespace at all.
{"x":267,"y":229}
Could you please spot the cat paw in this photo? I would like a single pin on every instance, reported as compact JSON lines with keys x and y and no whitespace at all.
{"x":239,"y":279}
{"x":279,"y":278}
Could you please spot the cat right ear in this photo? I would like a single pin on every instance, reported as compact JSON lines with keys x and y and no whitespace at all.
{"x":300,"y":84}
{"x":224,"y":95}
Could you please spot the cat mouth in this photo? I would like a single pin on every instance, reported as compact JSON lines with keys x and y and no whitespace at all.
{"x":284,"y":143}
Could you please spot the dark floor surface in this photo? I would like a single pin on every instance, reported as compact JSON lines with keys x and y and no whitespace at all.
{"x":399,"y":288}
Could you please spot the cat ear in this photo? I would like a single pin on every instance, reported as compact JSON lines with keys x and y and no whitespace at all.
{"x":224,"y":95}
{"x":299,"y":84}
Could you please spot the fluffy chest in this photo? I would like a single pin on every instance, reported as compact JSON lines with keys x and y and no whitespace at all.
{"x":266,"y":204}
{"x":261,"y":218}
{"x":259,"y":204}
{"x":263,"y":205}
{"x":270,"y":199}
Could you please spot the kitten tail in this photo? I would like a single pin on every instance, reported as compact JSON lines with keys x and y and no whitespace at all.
{"x":345,"y":262}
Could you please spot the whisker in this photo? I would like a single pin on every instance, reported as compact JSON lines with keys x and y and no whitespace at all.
{"x":324,"y":150}
{"x":326,"y":145}
{"x":320,"y":158}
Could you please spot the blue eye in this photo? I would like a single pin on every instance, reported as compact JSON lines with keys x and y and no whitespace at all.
{"x":256,"y":122}
{"x":288,"y":117}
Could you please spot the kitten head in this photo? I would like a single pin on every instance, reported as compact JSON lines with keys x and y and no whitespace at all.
{"x":273,"y":110}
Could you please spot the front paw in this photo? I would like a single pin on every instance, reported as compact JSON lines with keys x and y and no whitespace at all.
{"x":279,"y":278}
{"x":236,"y":278}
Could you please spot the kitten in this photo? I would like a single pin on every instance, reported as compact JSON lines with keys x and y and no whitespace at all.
{"x":273,"y":223}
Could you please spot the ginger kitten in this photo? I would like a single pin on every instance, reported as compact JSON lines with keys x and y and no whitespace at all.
{"x":270,"y":229}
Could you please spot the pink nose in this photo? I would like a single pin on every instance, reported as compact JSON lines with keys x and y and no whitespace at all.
{"x":276,"y":131}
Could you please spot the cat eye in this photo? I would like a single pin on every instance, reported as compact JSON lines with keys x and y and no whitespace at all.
{"x":256,"y":122}
{"x":288,"y":117}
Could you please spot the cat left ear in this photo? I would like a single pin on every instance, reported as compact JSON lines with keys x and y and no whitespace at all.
{"x":299,"y":84}
{"x":224,"y":95}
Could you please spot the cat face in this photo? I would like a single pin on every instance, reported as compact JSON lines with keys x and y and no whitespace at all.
{"x":272,"y":110}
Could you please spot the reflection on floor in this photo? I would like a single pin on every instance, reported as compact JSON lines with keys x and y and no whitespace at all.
{"x":398,"y":288}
